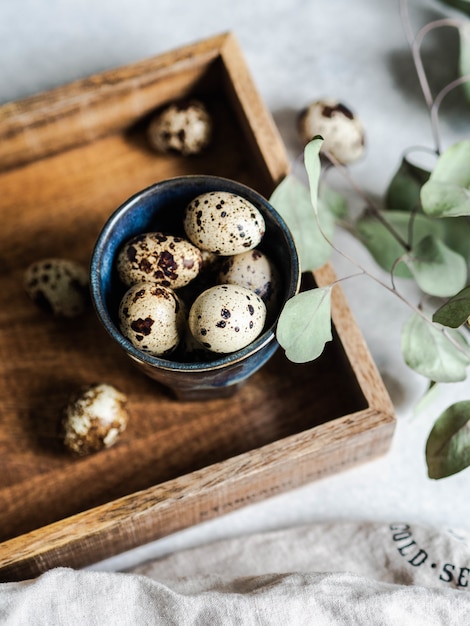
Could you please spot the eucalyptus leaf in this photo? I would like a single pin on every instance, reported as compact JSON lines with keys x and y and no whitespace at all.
{"x":448,"y":444}
{"x":438,"y":270}
{"x":452,"y":165}
{"x":464,"y":58}
{"x":403,"y":192}
{"x":427,"y":400}
{"x":291,"y":199}
{"x":429,"y":352}
{"x":447,"y":192}
{"x":456,"y":234}
{"x":441,"y":199}
{"x":313,"y":167}
{"x":384,"y":247}
{"x":304,"y":326}
{"x":331,"y":200}
{"x":455,"y":311}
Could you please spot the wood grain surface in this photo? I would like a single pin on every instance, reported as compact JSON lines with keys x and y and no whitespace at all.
{"x":68,"y":158}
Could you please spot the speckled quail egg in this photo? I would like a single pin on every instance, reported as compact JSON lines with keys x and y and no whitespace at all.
{"x":184,"y":127}
{"x":152,"y":318}
{"x":94,"y":418}
{"x":226,"y":318}
{"x":58,"y":286}
{"x":254,"y":271}
{"x":157,"y":257}
{"x":341,"y":130}
{"x":223,"y":222}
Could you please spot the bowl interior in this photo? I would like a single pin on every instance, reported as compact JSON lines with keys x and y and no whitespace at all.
{"x":160,"y":207}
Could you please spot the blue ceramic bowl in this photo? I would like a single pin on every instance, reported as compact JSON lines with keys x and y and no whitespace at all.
{"x":161,"y":207}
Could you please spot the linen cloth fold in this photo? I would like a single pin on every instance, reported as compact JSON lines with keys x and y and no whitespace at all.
{"x":344,"y":573}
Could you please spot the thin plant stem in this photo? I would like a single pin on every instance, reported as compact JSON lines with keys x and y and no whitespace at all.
{"x":390,"y":288}
{"x":434,"y":111}
{"x":370,"y":206}
{"x":415,"y":51}
{"x":392,"y":271}
{"x":393,"y":290}
{"x":415,"y":43}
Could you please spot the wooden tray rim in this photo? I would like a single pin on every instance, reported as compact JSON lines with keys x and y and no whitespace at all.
{"x":55,"y":543}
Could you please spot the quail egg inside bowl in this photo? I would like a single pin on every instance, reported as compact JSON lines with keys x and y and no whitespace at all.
{"x":163,"y":208}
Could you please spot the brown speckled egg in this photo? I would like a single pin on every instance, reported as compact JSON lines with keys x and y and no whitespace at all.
{"x":152,"y":318}
{"x":58,"y":286}
{"x":183,"y":127}
{"x":93,"y":419}
{"x":156,"y":257}
{"x":226,"y":318}
{"x":223,"y":222}
{"x":341,"y":130}
{"x":254,"y":271}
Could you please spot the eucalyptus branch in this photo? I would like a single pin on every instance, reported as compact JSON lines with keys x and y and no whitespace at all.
{"x":332,"y":160}
{"x":427,"y":28}
{"x":354,"y":262}
{"x":438,"y":362}
{"x":363,"y":271}
{"x":380,"y":218}
{"x":434,"y":111}
{"x":411,"y":225}
{"x":393,"y":269}
{"x":371,"y":209}
{"x":406,"y":21}
{"x":390,"y":288}
{"x":416,"y":309}
{"x":415,"y":43}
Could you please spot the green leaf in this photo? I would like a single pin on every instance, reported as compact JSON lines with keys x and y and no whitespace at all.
{"x":304,"y":326}
{"x":455,"y":311}
{"x":291,"y":199}
{"x":447,"y":192}
{"x":427,"y":400}
{"x":448,"y":445}
{"x":456,"y":235}
{"x":441,"y":199}
{"x":452,"y":165}
{"x":404,"y":189}
{"x":428,"y":351}
{"x":438,"y":270}
{"x":464,"y":58}
{"x":384,"y":247}
{"x":331,"y":200}
{"x":313,"y":167}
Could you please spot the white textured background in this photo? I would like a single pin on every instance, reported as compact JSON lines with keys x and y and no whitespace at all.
{"x":297,"y":51}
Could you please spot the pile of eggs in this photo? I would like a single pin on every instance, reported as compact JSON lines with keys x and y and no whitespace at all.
{"x":208,"y":292}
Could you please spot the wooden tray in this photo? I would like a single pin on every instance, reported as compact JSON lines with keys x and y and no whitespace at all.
{"x":68,"y":158}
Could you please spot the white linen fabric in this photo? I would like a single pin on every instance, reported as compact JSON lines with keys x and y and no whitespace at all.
{"x":381,"y":574}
